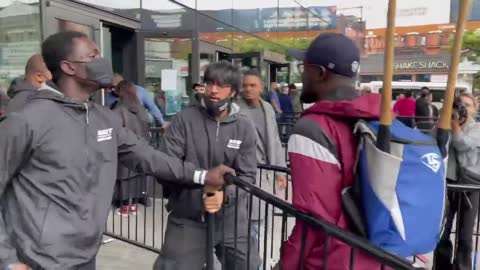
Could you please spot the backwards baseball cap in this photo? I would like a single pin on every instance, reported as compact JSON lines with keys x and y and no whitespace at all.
{"x":335,"y":52}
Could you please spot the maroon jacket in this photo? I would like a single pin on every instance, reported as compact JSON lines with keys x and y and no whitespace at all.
{"x":322,"y":152}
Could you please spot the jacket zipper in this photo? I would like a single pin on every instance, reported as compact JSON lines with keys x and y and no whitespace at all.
{"x":214,"y":152}
{"x":86,"y":125}
{"x":218,"y":131}
{"x":86,"y":108}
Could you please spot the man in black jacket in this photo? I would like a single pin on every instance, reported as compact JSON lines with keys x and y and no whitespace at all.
{"x":213,"y":132}
{"x":58,"y":164}
{"x":36,"y":75}
{"x":424,"y":111}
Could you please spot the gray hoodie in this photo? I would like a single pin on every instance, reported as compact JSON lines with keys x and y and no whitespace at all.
{"x":58,"y":165}
{"x":20,"y":94}
{"x":196,"y":137}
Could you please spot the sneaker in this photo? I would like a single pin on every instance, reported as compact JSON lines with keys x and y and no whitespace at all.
{"x":122,"y":211}
{"x":133,"y":209}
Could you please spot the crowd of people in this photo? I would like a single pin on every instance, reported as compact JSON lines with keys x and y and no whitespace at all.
{"x":65,"y":158}
{"x":419,"y":113}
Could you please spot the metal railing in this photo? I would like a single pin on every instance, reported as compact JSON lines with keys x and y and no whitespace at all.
{"x":272,"y":212}
{"x":458,"y":248}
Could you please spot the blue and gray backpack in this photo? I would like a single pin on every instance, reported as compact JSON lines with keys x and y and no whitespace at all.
{"x":399,"y":196}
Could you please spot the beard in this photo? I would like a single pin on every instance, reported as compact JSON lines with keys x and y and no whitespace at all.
{"x":308,"y":97}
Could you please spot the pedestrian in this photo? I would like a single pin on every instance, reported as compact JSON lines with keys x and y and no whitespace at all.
{"x":269,"y":149}
{"x":463,"y":163}
{"x":211,"y":133}
{"x":322,"y":152}
{"x":59,"y":163}
{"x":295,"y":96}
{"x":145,"y":98}
{"x":404,"y":109}
{"x":198,"y":93}
{"x":131,"y":185}
{"x":424,"y":112}
{"x":273,"y":99}
{"x":286,"y":104}
{"x":36,"y":75}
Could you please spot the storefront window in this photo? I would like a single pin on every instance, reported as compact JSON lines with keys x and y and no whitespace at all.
{"x":20,"y":28}
{"x":424,"y":78}
{"x":167,"y":72}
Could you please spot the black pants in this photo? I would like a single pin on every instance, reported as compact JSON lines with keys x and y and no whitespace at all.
{"x":408,"y":121}
{"x":465,"y":206}
{"x":92,"y":265}
{"x":186,"y":244}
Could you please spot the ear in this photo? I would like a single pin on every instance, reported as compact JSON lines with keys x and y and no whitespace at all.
{"x":67,"y":68}
{"x":234,"y":93}
{"x":323,"y":74}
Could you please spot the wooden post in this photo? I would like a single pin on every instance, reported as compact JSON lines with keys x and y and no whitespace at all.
{"x":449,"y":97}
{"x":383,"y":138}
{"x":444,"y":126}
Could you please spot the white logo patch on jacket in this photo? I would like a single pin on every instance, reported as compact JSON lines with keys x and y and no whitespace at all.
{"x":235,"y":144}
{"x":104,"y":135}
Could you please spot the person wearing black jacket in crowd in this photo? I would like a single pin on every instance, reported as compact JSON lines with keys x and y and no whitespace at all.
{"x":36,"y":75}
{"x":213,"y":132}
{"x":131,"y":184}
{"x":58,"y":164}
{"x":424,"y":111}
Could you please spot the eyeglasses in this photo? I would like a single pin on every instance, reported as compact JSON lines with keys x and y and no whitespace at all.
{"x":210,"y":84}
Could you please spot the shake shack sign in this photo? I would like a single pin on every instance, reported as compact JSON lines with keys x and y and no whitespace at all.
{"x":431,"y":64}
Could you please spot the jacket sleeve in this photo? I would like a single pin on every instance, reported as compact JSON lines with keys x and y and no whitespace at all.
{"x":467,"y":141}
{"x":173,"y":141}
{"x":245,"y":164}
{"x":15,"y":145}
{"x":136,"y":154}
{"x":279,"y":155}
{"x":317,"y":181}
{"x":149,"y":103}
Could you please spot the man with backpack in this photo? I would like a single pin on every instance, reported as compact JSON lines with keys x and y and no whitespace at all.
{"x":322,"y":151}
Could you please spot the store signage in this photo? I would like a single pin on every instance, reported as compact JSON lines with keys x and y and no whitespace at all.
{"x":421,"y":64}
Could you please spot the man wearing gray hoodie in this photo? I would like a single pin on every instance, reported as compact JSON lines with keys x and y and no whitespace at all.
{"x":58,"y":164}
{"x":213,"y":132}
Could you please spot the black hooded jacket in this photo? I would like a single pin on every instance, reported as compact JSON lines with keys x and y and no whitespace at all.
{"x":58,"y":166}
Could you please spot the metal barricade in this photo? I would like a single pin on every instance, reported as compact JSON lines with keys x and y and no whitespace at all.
{"x":246,"y":255}
{"x":458,"y":248}
{"x":146,"y":228}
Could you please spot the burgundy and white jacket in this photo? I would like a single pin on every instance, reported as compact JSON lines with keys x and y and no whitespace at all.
{"x":322,"y":153}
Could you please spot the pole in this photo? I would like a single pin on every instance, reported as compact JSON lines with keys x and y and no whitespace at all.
{"x":210,"y":241}
{"x":446,"y":116}
{"x":383,"y":137}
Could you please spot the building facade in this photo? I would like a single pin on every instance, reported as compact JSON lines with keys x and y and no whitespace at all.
{"x":421,"y":51}
{"x":164,"y":43}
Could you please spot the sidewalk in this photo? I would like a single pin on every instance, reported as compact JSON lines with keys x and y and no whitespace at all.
{"x":118,"y":255}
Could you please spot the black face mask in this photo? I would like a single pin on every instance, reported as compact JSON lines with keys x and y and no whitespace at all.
{"x":100,"y":71}
{"x":216,"y":108}
{"x":199,"y":96}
